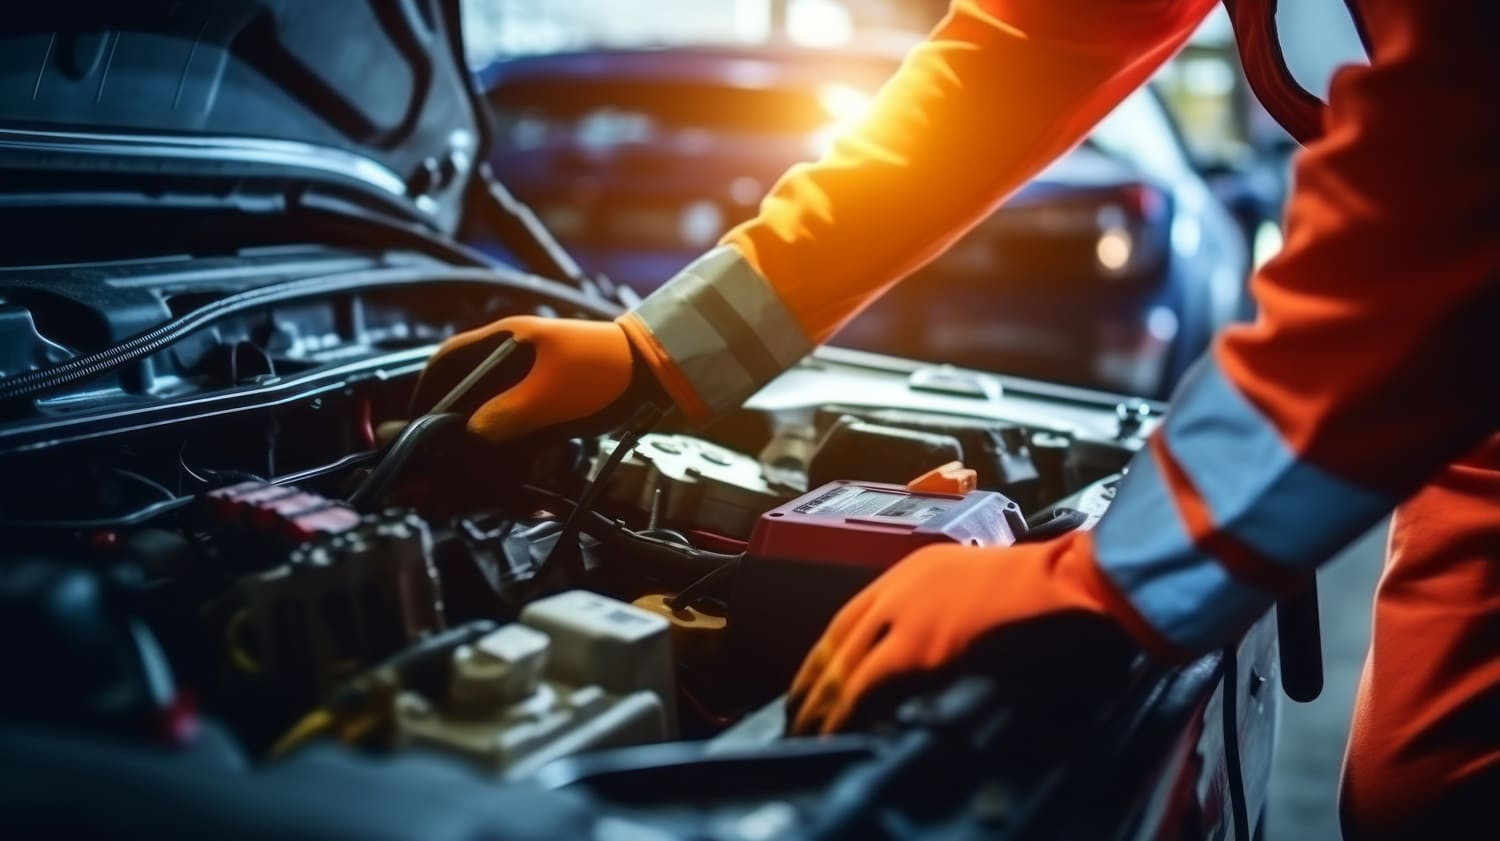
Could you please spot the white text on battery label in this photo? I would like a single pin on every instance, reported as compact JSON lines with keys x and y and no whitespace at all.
{"x":914,"y":508}
{"x":850,"y":501}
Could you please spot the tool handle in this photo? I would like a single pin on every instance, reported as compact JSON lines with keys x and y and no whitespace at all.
{"x":494,"y":360}
{"x":1301,"y":639}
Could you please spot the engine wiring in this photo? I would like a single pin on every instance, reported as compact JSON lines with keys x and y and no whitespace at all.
{"x":234,"y":360}
{"x":345,"y":710}
{"x":646,"y":545}
{"x":1239,"y":810}
{"x":565,"y":551}
{"x":184,"y":467}
{"x":396,"y":455}
{"x":167,"y":506}
{"x":146,"y":482}
{"x":43,"y":380}
{"x":687,"y":596}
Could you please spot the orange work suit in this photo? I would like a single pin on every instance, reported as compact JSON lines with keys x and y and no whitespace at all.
{"x":1372,"y":365}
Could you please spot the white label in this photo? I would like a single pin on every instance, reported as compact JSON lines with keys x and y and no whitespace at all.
{"x":854,"y":501}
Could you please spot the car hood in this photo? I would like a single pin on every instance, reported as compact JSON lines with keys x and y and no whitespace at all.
{"x":369,"y":101}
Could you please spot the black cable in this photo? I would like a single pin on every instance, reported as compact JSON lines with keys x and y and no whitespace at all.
{"x":645,"y":546}
{"x":167,"y":506}
{"x":182,"y":463}
{"x":430,"y":653}
{"x":147,"y":481}
{"x":351,"y":460}
{"x":234,"y":360}
{"x":685,"y":596}
{"x":1054,"y":523}
{"x":1230,"y":724}
{"x":666,"y":535}
{"x":132,"y":518}
{"x":40,"y":381}
{"x":395,"y":456}
{"x":566,"y":548}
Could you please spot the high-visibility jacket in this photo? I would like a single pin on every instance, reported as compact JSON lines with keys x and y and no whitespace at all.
{"x":1373,"y":362}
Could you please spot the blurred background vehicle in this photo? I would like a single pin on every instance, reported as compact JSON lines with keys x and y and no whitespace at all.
{"x":1112,"y":269}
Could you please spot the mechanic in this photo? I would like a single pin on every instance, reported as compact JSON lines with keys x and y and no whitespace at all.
{"x":1369,"y":379}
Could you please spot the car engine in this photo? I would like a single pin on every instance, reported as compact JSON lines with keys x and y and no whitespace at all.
{"x":213,"y":536}
{"x":484,"y":601}
{"x":247,"y":591}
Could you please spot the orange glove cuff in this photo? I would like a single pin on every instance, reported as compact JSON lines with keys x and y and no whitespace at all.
{"x":673,"y":382}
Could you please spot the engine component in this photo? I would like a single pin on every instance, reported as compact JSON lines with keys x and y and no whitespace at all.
{"x":76,"y":654}
{"x":999,"y":453}
{"x":284,"y":513}
{"x":856,"y":449}
{"x":1092,"y":500}
{"x":606,"y":642}
{"x":786,"y":456}
{"x":342,"y":602}
{"x":697,"y":635}
{"x":686,"y":480}
{"x":580,"y":672}
{"x":812,"y":554}
{"x":487,"y":564}
{"x":872,"y":524}
{"x":1055,"y":473}
{"x":952,"y":478}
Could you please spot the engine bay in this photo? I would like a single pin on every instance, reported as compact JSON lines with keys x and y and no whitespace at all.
{"x":219,"y":532}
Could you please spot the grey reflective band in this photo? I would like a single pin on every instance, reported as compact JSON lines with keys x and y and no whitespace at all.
{"x":725,"y":327}
{"x":1143,"y":547}
{"x":1292,"y":514}
{"x":1290,"y":511}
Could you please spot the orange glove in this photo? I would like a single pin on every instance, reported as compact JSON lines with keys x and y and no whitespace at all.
{"x":940,"y":601}
{"x":573,"y":376}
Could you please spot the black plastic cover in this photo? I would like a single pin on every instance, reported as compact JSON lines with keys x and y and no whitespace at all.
{"x":373,"y":96}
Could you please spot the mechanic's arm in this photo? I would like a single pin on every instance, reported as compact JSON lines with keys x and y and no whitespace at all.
{"x":999,"y":90}
{"x":1371,"y":367}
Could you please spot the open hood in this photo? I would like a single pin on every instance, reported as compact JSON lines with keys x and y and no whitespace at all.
{"x":366,"y":102}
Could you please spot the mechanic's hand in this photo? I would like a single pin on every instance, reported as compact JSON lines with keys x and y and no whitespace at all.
{"x":936,"y":604}
{"x":577,"y":377}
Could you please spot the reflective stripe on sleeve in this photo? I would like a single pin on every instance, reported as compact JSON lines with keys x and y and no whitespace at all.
{"x":1218,"y":516}
{"x":1256,"y":490}
{"x":724,"y":328}
{"x":1143,"y":547}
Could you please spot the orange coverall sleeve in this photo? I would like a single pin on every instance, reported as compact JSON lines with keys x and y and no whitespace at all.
{"x":999,"y":90}
{"x":1374,"y":361}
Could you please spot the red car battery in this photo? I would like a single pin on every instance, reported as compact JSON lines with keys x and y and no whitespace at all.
{"x":811,"y":555}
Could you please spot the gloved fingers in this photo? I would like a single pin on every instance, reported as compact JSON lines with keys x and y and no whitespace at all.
{"x":818,"y":701}
{"x":828,"y":644}
{"x":829,"y":684}
{"x":579,"y":373}
{"x":514,"y":412}
{"x":451,"y":362}
{"x":457,"y":357}
{"x":878,"y":668}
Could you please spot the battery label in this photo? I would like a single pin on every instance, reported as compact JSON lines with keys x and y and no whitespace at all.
{"x":852,"y":501}
{"x":915,"y":508}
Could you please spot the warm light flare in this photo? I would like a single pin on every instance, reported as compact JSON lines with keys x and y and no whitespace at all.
{"x":846,"y":107}
{"x":1113,"y":249}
